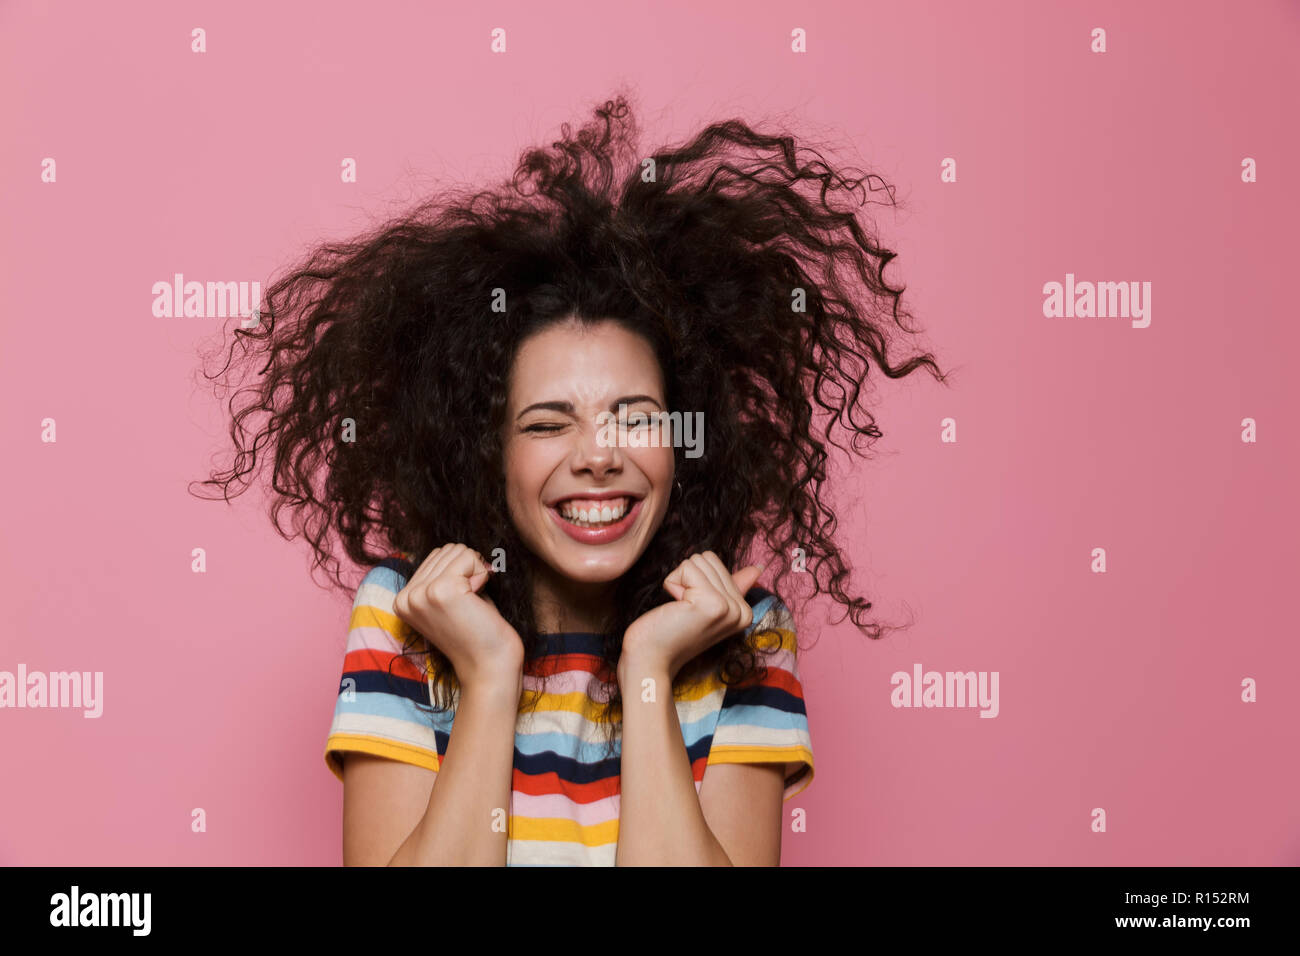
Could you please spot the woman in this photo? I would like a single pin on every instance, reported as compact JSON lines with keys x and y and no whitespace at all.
{"x":556,"y":420}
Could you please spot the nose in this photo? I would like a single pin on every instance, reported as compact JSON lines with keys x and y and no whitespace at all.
{"x":596,"y":451}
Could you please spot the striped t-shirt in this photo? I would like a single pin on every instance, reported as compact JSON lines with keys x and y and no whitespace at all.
{"x":565,"y":790}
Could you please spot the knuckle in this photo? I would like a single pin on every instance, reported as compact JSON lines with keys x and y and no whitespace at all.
{"x":717,"y":607}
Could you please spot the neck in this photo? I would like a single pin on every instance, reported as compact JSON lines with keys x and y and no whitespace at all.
{"x":561,"y":604}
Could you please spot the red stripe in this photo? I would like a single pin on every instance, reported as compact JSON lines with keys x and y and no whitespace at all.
{"x":559,"y":663}
{"x":549,"y":784}
{"x":368,"y":659}
{"x":777,"y":677}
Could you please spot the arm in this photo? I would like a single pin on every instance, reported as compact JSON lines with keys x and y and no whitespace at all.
{"x":473,"y":786}
{"x":393,"y":814}
{"x":735,"y":819}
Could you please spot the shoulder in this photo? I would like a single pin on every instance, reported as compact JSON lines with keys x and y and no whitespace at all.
{"x":384,"y":580}
{"x":773,"y":621}
{"x":773,"y":636}
{"x":383,"y":699}
{"x":373,"y":615}
{"x":763,"y":718}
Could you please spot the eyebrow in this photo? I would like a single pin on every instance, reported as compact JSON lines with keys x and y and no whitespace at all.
{"x":567,"y":407}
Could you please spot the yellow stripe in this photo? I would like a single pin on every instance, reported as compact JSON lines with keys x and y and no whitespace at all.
{"x":367,"y":615}
{"x":778,"y":636}
{"x":558,"y":830}
{"x":796,"y":755}
{"x":379,"y":747}
{"x":576,"y":702}
{"x":745,"y":753}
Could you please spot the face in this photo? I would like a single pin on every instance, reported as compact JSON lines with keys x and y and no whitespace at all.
{"x":561,"y":466}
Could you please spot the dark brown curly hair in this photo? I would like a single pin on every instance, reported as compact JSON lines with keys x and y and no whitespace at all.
{"x":758,"y":295}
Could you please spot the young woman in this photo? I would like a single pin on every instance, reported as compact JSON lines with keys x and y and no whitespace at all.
{"x":556,"y":422}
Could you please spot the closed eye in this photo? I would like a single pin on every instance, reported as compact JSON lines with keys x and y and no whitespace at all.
{"x":641,"y":420}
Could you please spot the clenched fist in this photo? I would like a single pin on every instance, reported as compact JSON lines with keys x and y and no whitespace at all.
{"x":710,"y":605}
{"x":441,"y":601}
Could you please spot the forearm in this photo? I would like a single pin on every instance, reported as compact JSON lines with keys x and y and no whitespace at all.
{"x":465,"y":822}
{"x":660,"y":822}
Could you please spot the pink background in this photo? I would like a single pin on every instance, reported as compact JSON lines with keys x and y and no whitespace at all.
{"x":1118,"y":690}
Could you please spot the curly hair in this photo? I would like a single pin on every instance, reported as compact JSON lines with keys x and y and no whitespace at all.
{"x":758,"y":296}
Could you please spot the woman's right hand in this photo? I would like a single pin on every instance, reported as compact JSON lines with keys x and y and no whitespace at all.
{"x":441,"y":602}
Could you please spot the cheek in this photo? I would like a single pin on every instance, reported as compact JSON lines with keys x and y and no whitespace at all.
{"x":525,"y":481}
{"x":515,"y":499}
{"x":659,"y":470}
{"x":663,"y":470}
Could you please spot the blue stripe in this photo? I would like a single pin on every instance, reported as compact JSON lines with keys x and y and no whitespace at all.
{"x":371,"y":681}
{"x":771,"y":698}
{"x":577,"y":771}
{"x":558,"y":741}
{"x":762,"y":717}
{"x":380,"y":704}
{"x":569,"y":642}
{"x":387,"y":574}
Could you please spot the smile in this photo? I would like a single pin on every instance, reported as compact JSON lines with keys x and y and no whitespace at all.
{"x":596,"y":522}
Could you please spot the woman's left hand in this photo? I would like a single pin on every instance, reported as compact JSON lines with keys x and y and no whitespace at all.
{"x":710,"y":605}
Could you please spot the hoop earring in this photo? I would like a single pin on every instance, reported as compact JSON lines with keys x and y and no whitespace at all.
{"x":677,"y":486}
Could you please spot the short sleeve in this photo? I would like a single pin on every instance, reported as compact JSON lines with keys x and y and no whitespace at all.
{"x":383,"y":701}
{"x":765,"y":721}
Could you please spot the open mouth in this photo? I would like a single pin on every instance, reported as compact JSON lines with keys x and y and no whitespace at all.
{"x":595,"y":514}
{"x":596,"y":521}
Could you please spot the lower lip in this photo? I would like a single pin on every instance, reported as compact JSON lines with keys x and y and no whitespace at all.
{"x":603,"y":535}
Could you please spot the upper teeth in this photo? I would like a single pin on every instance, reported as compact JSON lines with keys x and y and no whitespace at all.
{"x":611,"y":509}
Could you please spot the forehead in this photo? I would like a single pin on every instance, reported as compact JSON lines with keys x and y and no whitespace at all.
{"x":584,"y":365}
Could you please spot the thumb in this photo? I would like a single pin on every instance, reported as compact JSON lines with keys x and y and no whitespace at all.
{"x":475,"y":570}
{"x":744,"y":578}
{"x":674,"y":583}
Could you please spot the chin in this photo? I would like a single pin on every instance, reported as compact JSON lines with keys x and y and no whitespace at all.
{"x":600,"y":573}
